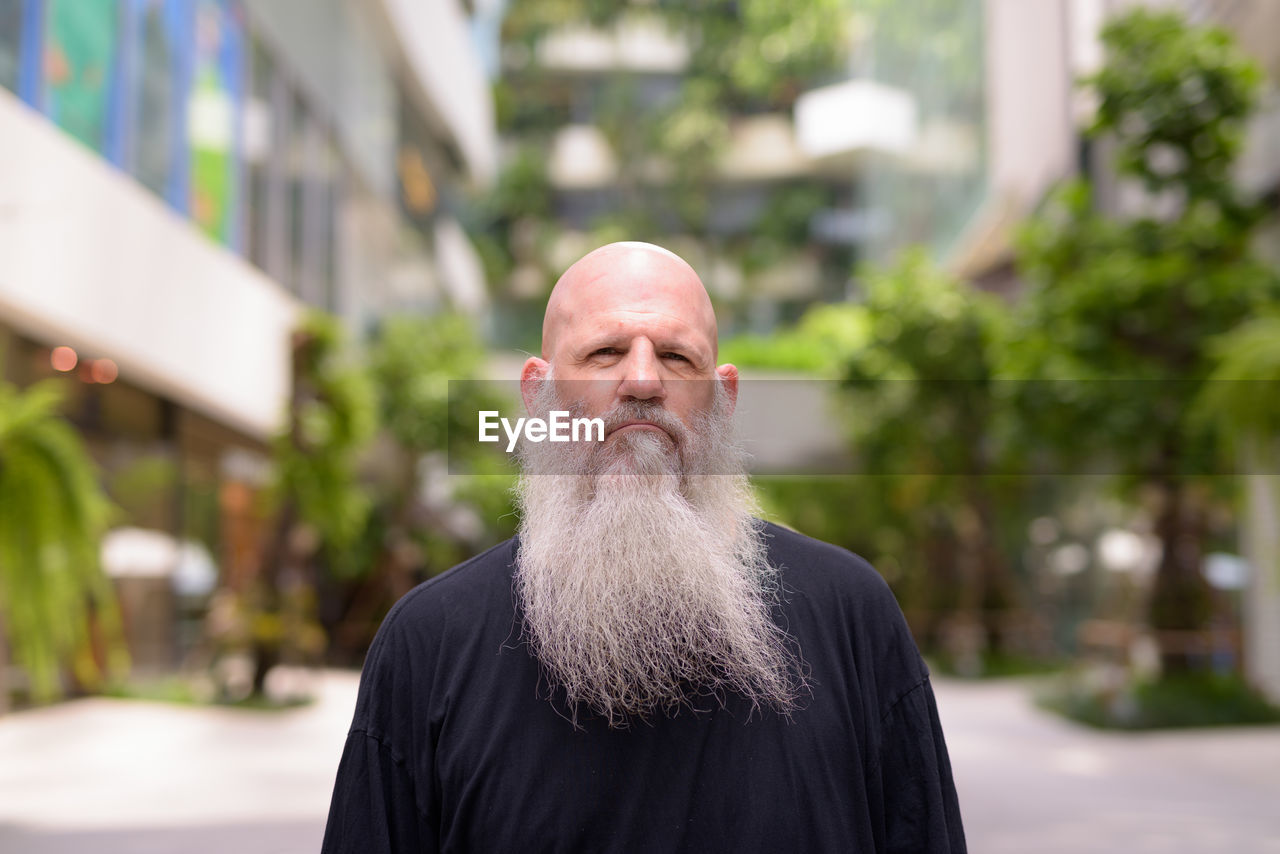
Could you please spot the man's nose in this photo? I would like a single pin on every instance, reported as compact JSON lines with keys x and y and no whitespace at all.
{"x":641,"y":378}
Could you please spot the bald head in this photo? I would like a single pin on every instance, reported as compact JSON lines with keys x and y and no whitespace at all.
{"x":630,"y":279}
{"x":634,"y":321}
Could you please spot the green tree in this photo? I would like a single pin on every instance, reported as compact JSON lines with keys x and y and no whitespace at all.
{"x":321,"y":506}
{"x":364,"y":503}
{"x":819,"y":343}
{"x":423,"y":519}
{"x":55,"y":601}
{"x":926,"y":413}
{"x":1242,"y":397}
{"x":508,"y":222}
{"x":1242,"y":401}
{"x":1121,"y":309}
{"x":744,"y":57}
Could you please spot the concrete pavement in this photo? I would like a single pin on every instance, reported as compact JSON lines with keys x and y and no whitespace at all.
{"x":1032,"y":782}
{"x":133,"y":777}
{"x":117,"y":776}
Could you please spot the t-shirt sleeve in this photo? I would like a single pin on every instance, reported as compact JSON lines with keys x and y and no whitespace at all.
{"x":921,"y":811}
{"x":374,"y":808}
{"x":383,"y":795}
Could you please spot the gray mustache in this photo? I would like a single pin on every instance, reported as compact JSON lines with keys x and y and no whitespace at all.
{"x":640,"y":410}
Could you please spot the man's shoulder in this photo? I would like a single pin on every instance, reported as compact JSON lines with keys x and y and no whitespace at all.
{"x":469,"y":585}
{"x":470,"y":600}
{"x":840,"y":602}
{"x":800,"y":557}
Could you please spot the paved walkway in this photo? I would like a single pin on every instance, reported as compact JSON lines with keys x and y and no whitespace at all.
{"x":132,"y":777}
{"x":1031,"y":782}
{"x":117,"y":776}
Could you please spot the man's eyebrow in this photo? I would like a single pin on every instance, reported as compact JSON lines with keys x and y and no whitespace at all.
{"x":603,"y":340}
{"x":682,"y":345}
{"x":696,"y":354}
{"x":663,"y":345}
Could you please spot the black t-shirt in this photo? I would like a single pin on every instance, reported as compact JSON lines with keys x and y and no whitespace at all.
{"x":455,"y":745}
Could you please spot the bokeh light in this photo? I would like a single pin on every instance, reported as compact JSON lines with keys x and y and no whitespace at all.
{"x":63,"y":359}
{"x":104,"y":371}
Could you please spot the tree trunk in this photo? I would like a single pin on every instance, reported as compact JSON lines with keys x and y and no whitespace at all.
{"x":267,"y":641}
{"x":266,"y":645}
{"x":265,"y":657}
{"x":1180,"y":598}
{"x":996,"y":596}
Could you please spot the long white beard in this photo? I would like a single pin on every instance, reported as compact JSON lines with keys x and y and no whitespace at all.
{"x":642,"y":572}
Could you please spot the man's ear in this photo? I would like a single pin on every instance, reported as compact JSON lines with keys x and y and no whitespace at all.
{"x":531,"y":377}
{"x":728,"y":375}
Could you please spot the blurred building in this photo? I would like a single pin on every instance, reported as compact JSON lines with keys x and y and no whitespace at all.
{"x":999,"y":119}
{"x":924,"y":165}
{"x":179,"y":179}
{"x":577,"y":84}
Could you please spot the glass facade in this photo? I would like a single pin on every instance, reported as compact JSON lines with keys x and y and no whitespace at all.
{"x":10,"y":42}
{"x":214,"y":111}
{"x":156,"y":88}
{"x":934,"y":52}
{"x":261,"y":138}
{"x":80,"y":64}
{"x":207,"y":107}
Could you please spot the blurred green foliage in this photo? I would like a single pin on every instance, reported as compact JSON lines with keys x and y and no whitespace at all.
{"x":1242,"y":395}
{"x":1176,"y":98}
{"x":57,"y":607}
{"x":319,"y":507}
{"x":377,"y":510}
{"x":916,"y":362}
{"x":508,"y":225}
{"x":333,"y":414}
{"x":820,"y":343}
{"x":753,"y":50}
{"x":1127,"y":322}
{"x":143,"y":490}
{"x":1140,"y":298}
{"x":667,"y":138}
{"x":412,"y":361}
{"x":922,"y":387}
{"x":925,"y":412}
{"x":364,"y":504}
{"x":1187,"y":700}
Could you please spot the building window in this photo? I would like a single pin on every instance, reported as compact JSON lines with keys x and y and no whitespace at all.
{"x":298,"y":165}
{"x":10,"y":43}
{"x":213,"y":117}
{"x":329,"y":238}
{"x":79,"y":65}
{"x":279,"y":209}
{"x":158,"y":136}
{"x":312,"y":167}
{"x":320,"y":228}
{"x":260,"y":129}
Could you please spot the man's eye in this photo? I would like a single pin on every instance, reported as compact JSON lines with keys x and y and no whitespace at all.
{"x":605,"y":351}
{"x":676,"y":356}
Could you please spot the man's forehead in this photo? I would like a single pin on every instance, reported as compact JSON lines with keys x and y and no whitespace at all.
{"x":624,"y":281}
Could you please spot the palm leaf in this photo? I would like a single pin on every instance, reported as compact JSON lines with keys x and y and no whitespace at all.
{"x":52,"y":517}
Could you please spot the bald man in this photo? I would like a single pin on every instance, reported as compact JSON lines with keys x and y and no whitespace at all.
{"x":646,"y":666}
